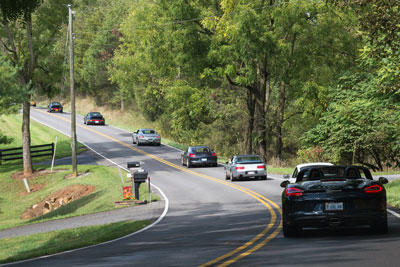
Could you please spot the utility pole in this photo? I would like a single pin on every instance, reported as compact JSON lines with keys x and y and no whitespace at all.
{"x":72,"y":89}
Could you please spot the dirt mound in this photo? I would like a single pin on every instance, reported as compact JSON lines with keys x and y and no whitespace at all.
{"x":58,"y":199}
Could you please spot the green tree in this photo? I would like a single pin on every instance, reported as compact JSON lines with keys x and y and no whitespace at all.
{"x":27,"y":35}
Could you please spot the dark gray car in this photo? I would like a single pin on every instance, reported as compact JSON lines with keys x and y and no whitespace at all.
{"x":199,"y":156}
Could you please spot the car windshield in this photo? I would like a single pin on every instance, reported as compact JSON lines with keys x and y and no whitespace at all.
{"x":201,"y":150}
{"x":148,"y":131}
{"x":95,"y":114}
{"x":249,"y":159}
{"x":55,"y":105}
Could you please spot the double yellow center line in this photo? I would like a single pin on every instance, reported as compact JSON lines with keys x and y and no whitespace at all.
{"x":244,"y":250}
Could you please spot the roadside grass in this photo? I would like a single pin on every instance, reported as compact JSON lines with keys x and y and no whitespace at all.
{"x":108,"y":189}
{"x":393,"y":193}
{"x":36,"y":245}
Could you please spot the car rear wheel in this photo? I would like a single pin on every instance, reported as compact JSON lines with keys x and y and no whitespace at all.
{"x":188,"y":163}
{"x":232,"y":178}
{"x":380,"y":226}
{"x":289,"y":230}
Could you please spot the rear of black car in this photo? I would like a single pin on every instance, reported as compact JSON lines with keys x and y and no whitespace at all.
{"x":334,"y":203}
{"x":201,"y":156}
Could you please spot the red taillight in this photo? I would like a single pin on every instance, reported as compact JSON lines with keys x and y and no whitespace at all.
{"x":260,"y":167}
{"x":294,"y":192}
{"x":141,"y":136}
{"x":158,"y":136}
{"x":240,"y":168}
{"x":373,"y":189}
{"x":191,"y":155}
{"x":214,"y":154}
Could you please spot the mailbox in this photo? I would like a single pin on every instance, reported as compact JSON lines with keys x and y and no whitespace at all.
{"x":140,"y":176}
{"x":133,"y":164}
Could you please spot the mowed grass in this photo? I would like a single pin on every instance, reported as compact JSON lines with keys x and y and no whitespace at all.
{"x":106,"y":180}
{"x":14,"y":200}
{"x":36,"y":245}
{"x":393,"y":193}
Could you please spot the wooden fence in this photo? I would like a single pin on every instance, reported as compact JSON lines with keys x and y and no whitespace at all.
{"x":16,"y":153}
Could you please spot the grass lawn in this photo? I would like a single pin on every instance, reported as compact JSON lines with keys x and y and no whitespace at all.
{"x":26,"y":247}
{"x":393,"y":193}
{"x":106,"y":180}
{"x":14,"y":200}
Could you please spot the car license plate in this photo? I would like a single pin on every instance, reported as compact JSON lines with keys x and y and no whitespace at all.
{"x":203,"y":159}
{"x":332,"y":206}
{"x":250,"y":172}
{"x":96,"y":122}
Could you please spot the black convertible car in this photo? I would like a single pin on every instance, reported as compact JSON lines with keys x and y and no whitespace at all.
{"x":333,"y":197}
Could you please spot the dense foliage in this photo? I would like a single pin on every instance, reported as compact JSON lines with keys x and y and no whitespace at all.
{"x":312,"y":80}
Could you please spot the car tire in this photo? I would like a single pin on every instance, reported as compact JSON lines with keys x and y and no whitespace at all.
{"x":188,"y":163}
{"x":289,"y":230}
{"x":380,"y":226}
{"x":264,"y":177}
{"x":232,"y":178}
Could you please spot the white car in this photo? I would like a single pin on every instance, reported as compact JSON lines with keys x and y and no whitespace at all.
{"x":298,"y":168}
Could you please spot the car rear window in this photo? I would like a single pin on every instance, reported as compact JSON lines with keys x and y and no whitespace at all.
{"x":249,"y":159}
{"x":148,"y":131}
{"x":201,"y":150}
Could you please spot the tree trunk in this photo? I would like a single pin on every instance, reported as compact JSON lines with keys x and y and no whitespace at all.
{"x":26,"y":139}
{"x":250,"y":124}
{"x":282,"y":102}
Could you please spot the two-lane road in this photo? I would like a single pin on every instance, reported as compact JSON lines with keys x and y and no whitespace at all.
{"x":213,"y":221}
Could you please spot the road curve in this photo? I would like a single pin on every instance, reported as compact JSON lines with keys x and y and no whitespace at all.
{"x":211,"y":222}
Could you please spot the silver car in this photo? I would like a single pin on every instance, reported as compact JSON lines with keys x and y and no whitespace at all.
{"x":146,"y":136}
{"x":245,"y":167}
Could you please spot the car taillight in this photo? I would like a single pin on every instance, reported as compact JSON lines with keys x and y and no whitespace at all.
{"x":373,"y":189}
{"x":191,"y":155}
{"x":214,"y":154}
{"x":158,"y":136}
{"x":294,"y":192}
{"x":260,"y":167}
{"x":240,"y":168}
{"x":141,"y":136}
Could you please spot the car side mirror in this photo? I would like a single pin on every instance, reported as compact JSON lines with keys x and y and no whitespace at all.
{"x":383,"y":180}
{"x":286,"y":176}
{"x":285,"y":183}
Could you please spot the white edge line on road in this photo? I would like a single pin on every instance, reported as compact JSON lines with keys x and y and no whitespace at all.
{"x":111,"y":241}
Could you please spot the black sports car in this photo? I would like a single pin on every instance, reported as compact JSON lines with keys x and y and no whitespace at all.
{"x":55,"y":107}
{"x":94,"y":118}
{"x":199,"y":156}
{"x":333,"y":197}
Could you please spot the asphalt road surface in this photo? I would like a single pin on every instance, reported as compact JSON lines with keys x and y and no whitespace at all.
{"x":213,"y":222}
